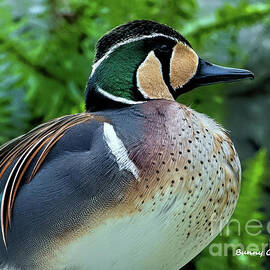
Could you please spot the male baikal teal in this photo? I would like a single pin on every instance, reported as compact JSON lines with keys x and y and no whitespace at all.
{"x":138,"y":181}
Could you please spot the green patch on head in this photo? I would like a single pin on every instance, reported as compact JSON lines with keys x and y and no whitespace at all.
{"x":116,"y":73}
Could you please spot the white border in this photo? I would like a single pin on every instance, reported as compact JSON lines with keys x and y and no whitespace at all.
{"x":118,"y":99}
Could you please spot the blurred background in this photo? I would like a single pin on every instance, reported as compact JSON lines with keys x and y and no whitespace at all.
{"x":46,"y":53}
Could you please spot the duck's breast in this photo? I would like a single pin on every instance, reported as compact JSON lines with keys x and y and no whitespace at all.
{"x":186,"y":181}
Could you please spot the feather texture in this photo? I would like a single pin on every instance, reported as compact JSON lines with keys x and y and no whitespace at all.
{"x":21,"y":152}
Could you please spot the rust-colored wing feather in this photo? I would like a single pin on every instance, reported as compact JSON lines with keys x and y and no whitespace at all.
{"x":23,"y":150}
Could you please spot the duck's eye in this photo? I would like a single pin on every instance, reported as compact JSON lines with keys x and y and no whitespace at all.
{"x":164,"y":48}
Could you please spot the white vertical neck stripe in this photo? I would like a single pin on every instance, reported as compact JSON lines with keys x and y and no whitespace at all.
{"x":117,"y":99}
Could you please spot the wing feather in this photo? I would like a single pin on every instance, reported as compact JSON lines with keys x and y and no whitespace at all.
{"x":21,"y":152}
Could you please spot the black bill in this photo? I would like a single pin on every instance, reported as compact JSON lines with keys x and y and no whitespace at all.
{"x":208,"y":73}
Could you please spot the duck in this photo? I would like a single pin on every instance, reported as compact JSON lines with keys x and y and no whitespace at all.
{"x":138,"y":180}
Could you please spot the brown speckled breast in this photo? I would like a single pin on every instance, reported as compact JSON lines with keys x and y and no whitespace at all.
{"x":189,"y":176}
{"x":187,"y":186}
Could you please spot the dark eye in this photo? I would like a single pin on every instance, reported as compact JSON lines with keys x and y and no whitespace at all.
{"x":164,"y":48}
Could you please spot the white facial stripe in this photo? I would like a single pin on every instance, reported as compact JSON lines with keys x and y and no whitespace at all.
{"x":119,"y":150}
{"x":118,"y":99}
{"x":138,"y":81}
{"x":126,"y":42}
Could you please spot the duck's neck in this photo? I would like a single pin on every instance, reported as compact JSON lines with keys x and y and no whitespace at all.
{"x":108,"y":91}
{"x":98,"y":100}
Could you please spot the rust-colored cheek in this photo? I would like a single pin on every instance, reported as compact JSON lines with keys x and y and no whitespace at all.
{"x":183,"y":66}
{"x":150,"y":80}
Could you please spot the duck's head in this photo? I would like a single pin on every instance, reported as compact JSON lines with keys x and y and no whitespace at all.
{"x":144,"y":60}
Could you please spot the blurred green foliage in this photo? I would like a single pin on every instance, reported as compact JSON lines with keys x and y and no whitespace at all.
{"x":46,"y":51}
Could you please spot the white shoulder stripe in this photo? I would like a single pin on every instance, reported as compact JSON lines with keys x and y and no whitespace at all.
{"x":119,"y":150}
